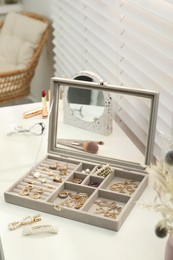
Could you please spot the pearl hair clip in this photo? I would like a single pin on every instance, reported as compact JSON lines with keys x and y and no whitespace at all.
{"x":34,"y":230}
{"x":25,"y":221}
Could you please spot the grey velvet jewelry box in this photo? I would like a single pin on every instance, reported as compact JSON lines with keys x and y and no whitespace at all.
{"x":98,"y":188}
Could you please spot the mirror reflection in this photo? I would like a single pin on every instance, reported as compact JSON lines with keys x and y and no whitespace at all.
{"x":88,"y":108}
{"x":88,"y":105}
{"x":133,"y":126}
{"x":128,"y":140}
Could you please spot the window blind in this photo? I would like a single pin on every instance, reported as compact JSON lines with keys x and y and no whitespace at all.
{"x":127,"y":43}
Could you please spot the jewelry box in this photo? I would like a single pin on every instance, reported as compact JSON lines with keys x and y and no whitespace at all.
{"x":97,"y":185}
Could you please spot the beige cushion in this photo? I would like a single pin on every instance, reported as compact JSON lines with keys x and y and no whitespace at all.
{"x":19,"y":37}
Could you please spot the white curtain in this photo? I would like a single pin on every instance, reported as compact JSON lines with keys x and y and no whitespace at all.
{"x":128,"y":43}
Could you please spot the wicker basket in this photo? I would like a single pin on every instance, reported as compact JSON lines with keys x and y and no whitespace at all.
{"x":16,"y":84}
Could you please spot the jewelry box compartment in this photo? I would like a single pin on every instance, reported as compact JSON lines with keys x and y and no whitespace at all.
{"x":80,"y":193}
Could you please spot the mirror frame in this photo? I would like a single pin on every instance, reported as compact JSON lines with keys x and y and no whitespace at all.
{"x":58,"y":83}
{"x":101,"y":125}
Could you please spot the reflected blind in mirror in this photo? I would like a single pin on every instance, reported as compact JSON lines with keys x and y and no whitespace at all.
{"x":127,"y":43}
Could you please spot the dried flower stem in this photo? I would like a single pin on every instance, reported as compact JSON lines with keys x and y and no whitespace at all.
{"x":163,"y":186}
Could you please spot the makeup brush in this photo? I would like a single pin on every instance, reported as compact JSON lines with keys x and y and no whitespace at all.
{"x":79,"y":141}
{"x":90,"y":147}
{"x":44,"y":105}
{"x":86,"y":146}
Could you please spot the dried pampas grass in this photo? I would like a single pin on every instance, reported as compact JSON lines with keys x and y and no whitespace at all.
{"x":163,"y":201}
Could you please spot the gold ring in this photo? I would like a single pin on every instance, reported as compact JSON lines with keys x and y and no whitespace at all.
{"x":63,"y":194}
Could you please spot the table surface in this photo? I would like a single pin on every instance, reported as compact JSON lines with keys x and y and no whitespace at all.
{"x":75,"y":241}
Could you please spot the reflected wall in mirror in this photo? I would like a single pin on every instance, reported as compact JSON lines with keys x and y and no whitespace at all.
{"x":86,"y":108}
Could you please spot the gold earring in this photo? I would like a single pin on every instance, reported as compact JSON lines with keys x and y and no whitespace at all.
{"x":57,"y":179}
{"x":35,"y":195}
{"x":24,"y":192}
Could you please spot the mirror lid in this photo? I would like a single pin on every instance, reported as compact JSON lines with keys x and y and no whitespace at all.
{"x":56,"y":86}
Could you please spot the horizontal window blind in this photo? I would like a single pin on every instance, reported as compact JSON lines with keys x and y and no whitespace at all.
{"x":128,"y":43}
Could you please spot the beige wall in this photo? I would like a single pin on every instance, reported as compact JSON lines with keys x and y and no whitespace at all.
{"x":44,"y":70}
{"x":39,"y":6}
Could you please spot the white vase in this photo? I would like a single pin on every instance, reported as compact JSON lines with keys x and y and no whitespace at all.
{"x":169,"y":248}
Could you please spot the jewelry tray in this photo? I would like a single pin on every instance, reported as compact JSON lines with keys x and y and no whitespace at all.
{"x":78,"y":185}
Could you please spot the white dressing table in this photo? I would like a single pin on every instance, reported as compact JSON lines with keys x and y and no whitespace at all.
{"x":75,"y":241}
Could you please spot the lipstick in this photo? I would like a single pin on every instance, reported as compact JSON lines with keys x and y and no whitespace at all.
{"x":44,"y":105}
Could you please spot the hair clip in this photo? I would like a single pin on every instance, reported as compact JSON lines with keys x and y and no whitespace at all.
{"x":39,"y":230}
{"x":25,"y":221}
